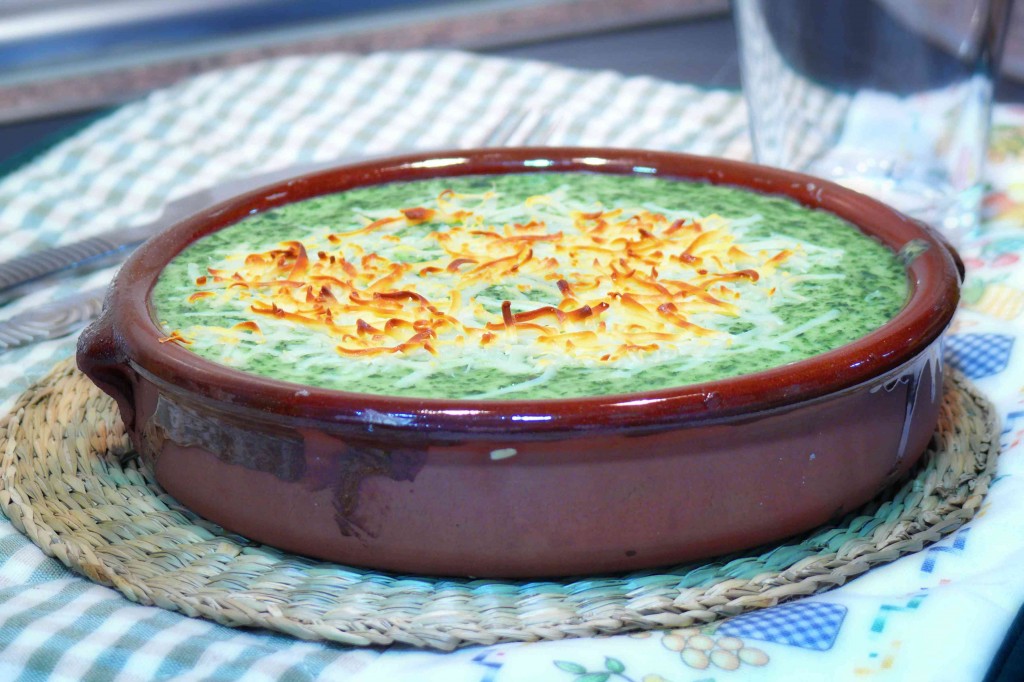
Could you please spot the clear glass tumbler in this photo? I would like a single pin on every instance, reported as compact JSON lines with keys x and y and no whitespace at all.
{"x":892,"y":98}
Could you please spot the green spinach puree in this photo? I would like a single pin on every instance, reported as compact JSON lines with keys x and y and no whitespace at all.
{"x":569,"y":284}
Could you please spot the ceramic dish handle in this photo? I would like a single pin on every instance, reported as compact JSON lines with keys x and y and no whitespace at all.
{"x":960,"y":267}
{"x":942,"y":239}
{"x":103,"y":359}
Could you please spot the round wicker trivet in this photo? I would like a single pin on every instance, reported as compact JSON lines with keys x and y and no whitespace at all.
{"x":69,"y":482}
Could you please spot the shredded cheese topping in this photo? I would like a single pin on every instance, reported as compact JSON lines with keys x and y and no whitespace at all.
{"x":627,"y":281}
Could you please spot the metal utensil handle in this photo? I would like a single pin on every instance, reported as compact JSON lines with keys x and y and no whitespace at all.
{"x":51,"y":321}
{"x":33,"y":266}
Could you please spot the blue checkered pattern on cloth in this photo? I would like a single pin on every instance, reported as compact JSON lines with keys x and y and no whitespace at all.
{"x":956,"y":548}
{"x":979,"y":355}
{"x":808,"y":625}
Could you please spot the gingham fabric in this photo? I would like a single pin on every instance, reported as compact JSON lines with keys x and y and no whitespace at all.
{"x":979,"y":355}
{"x":810,"y":625}
{"x":124,"y":168}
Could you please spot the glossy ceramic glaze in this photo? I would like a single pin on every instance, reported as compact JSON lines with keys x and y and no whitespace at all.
{"x":531,"y":487}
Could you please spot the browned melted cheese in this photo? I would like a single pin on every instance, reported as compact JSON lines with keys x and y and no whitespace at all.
{"x":627,"y":282}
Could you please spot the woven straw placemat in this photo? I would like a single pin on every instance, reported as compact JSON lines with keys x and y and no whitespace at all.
{"x":69,"y":482}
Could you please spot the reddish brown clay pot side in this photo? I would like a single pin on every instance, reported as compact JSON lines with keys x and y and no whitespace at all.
{"x":521,"y":506}
{"x":520,"y":488}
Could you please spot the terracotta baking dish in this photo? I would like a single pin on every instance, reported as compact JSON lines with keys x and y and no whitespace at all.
{"x":531,"y":487}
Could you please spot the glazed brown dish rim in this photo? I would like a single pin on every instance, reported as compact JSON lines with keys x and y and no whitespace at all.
{"x":933,"y":298}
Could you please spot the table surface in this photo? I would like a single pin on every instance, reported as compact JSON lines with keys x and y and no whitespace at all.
{"x":700,"y":51}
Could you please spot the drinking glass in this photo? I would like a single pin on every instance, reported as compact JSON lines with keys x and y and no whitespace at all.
{"x":891,"y":98}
